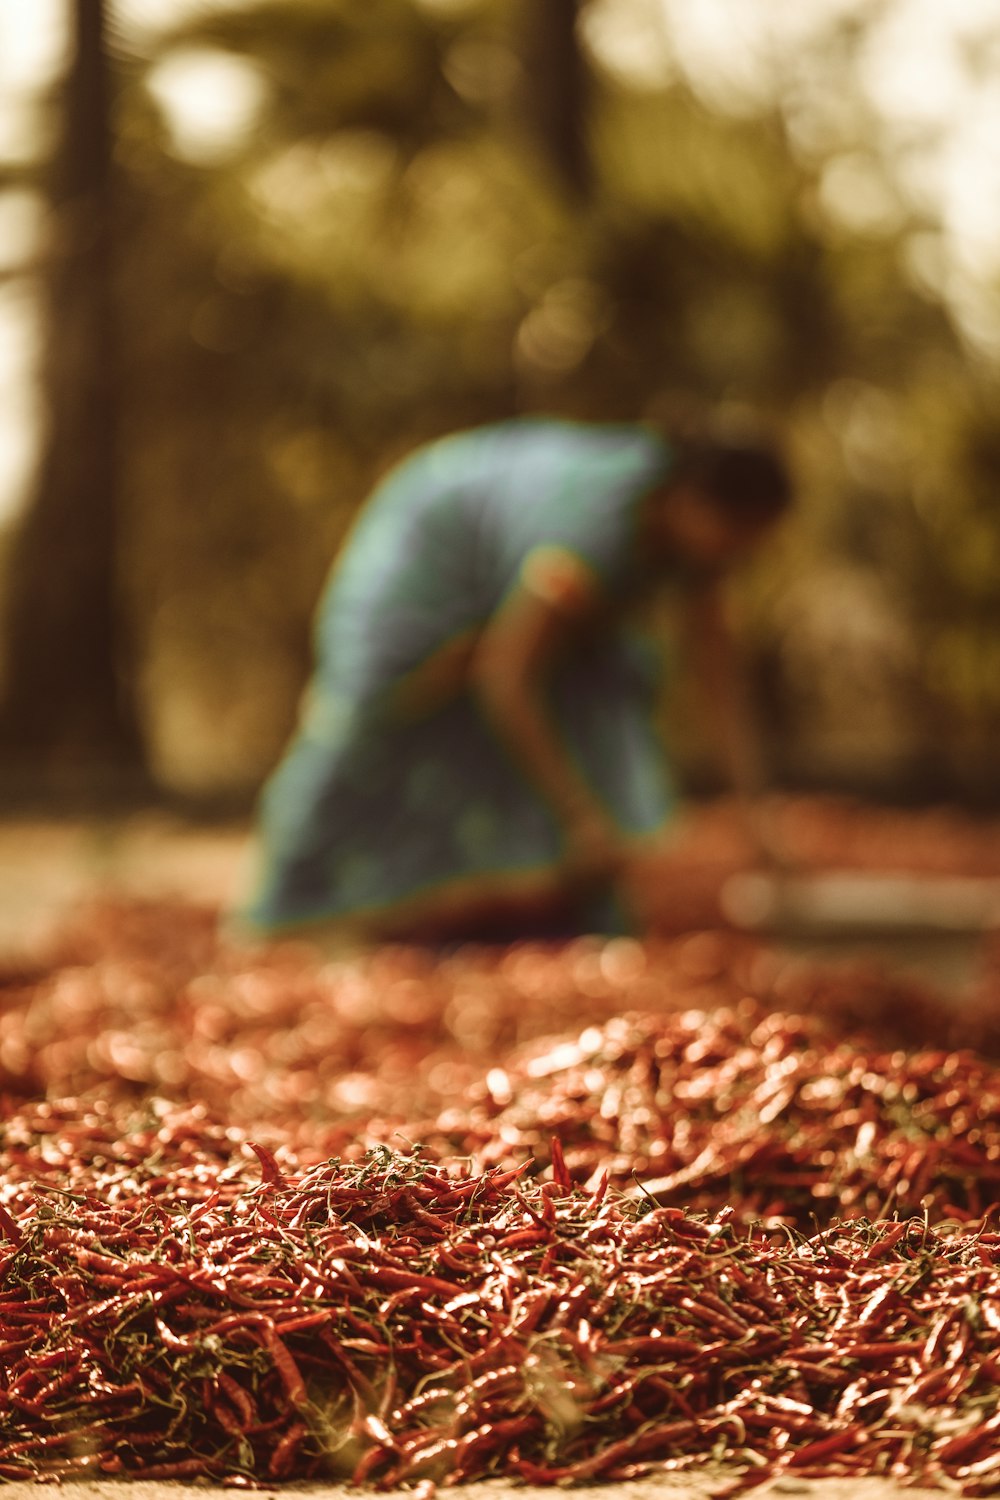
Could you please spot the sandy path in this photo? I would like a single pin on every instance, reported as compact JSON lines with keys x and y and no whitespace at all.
{"x":654,"y":1487}
{"x":47,"y":866}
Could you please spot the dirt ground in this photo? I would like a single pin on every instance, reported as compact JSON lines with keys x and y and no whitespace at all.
{"x":656,"y":1487}
{"x":46,"y":867}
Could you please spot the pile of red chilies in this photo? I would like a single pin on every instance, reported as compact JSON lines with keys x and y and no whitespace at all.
{"x":143,"y":997}
{"x":747,"y":1108}
{"x":392,"y":1321}
{"x":704,"y":1228}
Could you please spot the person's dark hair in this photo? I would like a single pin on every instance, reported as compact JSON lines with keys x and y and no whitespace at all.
{"x":745,"y":476}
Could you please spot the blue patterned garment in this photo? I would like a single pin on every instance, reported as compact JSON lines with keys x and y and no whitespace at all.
{"x":365,"y":811}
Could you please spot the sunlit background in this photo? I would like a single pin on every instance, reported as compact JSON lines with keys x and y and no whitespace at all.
{"x":335,"y":230}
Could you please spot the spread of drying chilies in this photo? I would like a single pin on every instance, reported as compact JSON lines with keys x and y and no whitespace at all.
{"x":664,"y":1210}
{"x":710,"y":1070}
{"x":392,"y":1321}
{"x":750,"y":1109}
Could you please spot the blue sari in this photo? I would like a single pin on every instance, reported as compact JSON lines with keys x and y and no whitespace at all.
{"x":364,"y":810}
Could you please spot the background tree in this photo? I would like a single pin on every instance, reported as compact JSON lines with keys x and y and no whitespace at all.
{"x":440,"y":214}
{"x":68,"y":711}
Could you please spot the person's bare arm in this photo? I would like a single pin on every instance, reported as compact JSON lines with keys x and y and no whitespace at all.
{"x":726,"y":700}
{"x":555,"y":597}
{"x":731,"y":713}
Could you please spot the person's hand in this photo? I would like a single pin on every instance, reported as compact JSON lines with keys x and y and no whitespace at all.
{"x":641,"y":880}
{"x":594,"y":854}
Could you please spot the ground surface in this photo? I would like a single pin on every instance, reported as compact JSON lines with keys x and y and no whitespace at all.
{"x":47,"y":866}
{"x":665,"y":1487}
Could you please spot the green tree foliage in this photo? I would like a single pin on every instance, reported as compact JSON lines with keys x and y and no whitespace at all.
{"x":448,"y":211}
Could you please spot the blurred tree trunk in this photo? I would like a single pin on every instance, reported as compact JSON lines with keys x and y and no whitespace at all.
{"x":68,"y":716}
{"x":556,"y":90}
